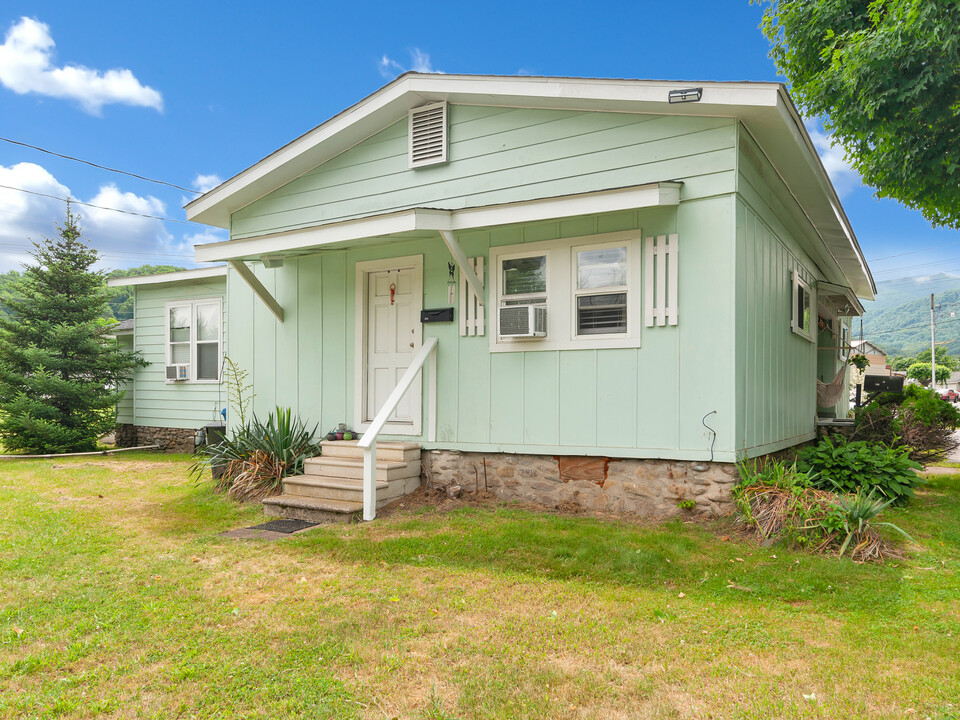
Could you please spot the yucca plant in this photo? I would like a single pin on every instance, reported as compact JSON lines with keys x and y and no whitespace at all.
{"x":257,"y":456}
{"x":854,"y":514}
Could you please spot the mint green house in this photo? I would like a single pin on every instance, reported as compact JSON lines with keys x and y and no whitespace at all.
{"x":592,"y":291}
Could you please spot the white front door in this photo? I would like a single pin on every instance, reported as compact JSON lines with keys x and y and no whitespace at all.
{"x":392,"y":300}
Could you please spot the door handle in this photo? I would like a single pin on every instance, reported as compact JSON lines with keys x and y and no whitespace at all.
{"x":411,"y":344}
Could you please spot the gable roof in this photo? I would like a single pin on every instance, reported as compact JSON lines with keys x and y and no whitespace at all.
{"x":764,"y":108}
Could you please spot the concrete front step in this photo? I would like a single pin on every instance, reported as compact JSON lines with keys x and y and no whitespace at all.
{"x":386,"y":451}
{"x":346,"y":489}
{"x":352,"y":468}
{"x":311,"y":509}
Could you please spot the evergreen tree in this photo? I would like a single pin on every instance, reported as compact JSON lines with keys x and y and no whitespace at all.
{"x":59,"y":371}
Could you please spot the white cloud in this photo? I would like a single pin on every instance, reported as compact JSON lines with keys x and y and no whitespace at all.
{"x":206,"y":183}
{"x":124,"y":240}
{"x":419,"y":62}
{"x":26,"y":66}
{"x":845,"y":179}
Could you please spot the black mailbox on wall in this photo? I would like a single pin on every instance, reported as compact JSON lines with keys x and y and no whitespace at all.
{"x":437,"y":315}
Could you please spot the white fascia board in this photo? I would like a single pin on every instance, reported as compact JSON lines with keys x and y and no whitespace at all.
{"x":630,"y":198}
{"x":395,"y":100}
{"x":171,"y":277}
{"x":813,"y":189}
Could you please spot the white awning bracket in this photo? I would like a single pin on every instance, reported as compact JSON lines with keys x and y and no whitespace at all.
{"x":259,"y":290}
{"x":466,"y":269}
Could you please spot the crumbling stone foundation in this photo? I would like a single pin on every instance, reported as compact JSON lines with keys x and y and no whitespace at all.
{"x":171,"y":440}
{"x":649,"y":488}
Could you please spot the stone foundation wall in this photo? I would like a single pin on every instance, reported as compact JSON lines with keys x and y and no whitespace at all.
{"x":650,"y":488}
{"x":171,"y":440}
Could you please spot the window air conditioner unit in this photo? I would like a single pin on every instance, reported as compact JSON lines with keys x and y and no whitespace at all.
{"x":176,"y":373}
{"x":522,"y":321}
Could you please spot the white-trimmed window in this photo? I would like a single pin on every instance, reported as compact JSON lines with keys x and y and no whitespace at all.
{"x":582,"y":292}
{"x":194,"y":339}
{"x":523,"y":279}
{"x":801,"y":317}
{"x":601,"y":291}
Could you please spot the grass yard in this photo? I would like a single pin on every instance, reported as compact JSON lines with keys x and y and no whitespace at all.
{"x":117,"y":599}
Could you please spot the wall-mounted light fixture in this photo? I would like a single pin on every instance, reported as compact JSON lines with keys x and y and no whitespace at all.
{"x":686,"y":95}
{"x":272,"y":261}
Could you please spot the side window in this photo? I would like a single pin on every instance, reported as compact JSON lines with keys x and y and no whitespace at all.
{"x":193,"y":338}
{"x":802,"y":315}
{"x":601,"y":292}
{"x":208,"y":341}
{"x":524,"y":280}
{"x":180,"y":334}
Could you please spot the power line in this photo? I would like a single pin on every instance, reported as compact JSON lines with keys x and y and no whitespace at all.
{"x":941,"y":261}
{"x":101,"y":167}
{"x":98,"y":207}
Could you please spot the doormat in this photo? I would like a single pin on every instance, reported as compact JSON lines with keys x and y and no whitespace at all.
{"x":283,"y":525}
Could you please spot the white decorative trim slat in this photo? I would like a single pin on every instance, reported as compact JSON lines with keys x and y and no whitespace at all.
{"x":648,"y":281}
{"x":661,"y":306}
{"x":660,"y":280}
{"x":672,"y":264}
{"x":472,"y":321}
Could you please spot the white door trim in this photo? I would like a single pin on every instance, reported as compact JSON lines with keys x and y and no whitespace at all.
{"x":363,"y":270}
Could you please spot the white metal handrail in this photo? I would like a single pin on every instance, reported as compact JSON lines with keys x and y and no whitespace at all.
{"x":369,"y":440}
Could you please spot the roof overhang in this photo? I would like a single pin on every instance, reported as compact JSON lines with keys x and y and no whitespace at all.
{"x":839,"y":300}
{"x":419,"y":220}
{"x":180,"y":276}
{"x":765,"y":109}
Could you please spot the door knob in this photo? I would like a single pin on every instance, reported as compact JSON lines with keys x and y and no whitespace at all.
{"x":411,"y":344}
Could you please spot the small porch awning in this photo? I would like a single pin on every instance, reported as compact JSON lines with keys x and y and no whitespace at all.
{"x":418,"y":221}
{"x":837,"y":301}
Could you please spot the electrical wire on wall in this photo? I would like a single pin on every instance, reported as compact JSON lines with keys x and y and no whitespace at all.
{"x":713,"y":440}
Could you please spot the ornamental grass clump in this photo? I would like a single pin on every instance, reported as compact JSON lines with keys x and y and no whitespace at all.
{"x":252,"y":462}
{"x":780,"y":502}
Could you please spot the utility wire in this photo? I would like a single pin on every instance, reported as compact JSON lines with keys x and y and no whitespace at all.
{"x":101,"y":167}
{"x":98,"y":207}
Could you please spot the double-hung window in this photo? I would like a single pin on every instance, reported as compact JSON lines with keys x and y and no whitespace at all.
{"x":568,"y":293}
{"x":601,"y":291}
{"x":194,"y":339}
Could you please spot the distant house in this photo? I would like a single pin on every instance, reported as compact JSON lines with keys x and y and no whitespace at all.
{"x":178,"y":328}
{"x":876,"y":356}
{"x":617,"y":288}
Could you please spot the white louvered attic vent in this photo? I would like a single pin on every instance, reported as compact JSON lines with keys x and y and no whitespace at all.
{"x":428,"y":135}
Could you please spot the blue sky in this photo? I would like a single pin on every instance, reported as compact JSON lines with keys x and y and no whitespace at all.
{"x":193,"y":92}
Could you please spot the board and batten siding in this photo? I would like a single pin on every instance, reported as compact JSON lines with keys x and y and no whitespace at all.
{"x":503,"y":155}
{"x":634,"y":402}
{"x":156,"y":402}
{"x":776,"y":368}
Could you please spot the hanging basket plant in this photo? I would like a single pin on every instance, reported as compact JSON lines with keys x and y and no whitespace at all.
{"x":860,"y":362}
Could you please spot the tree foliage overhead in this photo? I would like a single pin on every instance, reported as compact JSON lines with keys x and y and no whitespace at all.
{"x":885,"y":74}
{"x":59,"y":371}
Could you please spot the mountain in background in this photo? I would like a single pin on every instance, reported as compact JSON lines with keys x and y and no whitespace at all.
{"x":119,"y":299}
{"x":899,"y":319}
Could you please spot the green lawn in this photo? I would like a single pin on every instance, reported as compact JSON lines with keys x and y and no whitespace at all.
{"x":117,"y":599}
